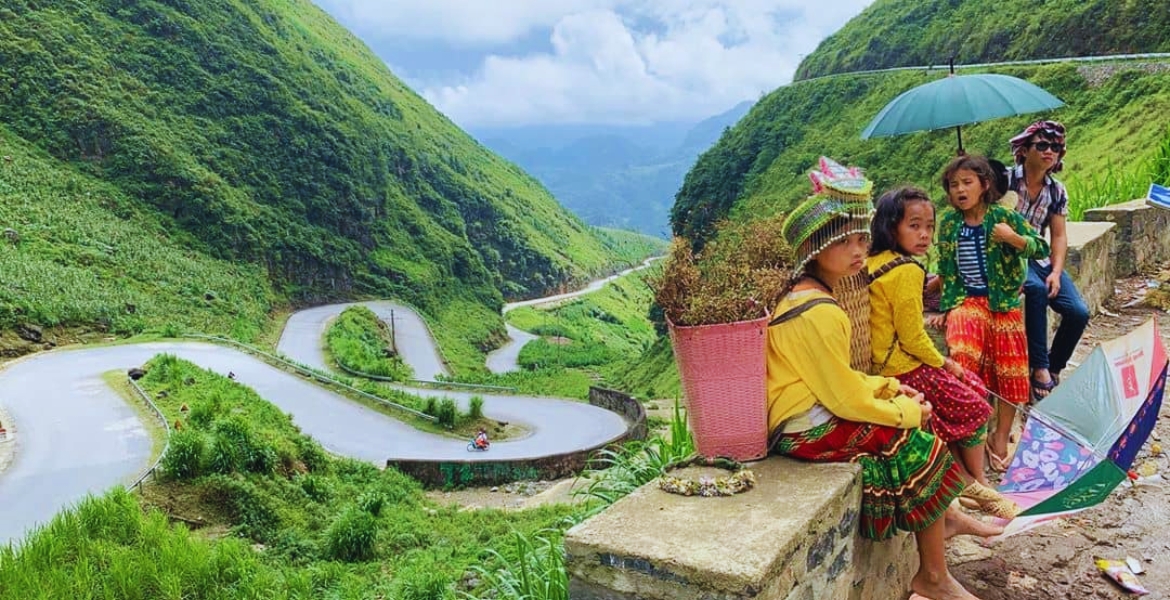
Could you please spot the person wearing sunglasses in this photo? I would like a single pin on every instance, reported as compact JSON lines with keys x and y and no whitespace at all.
{"x":1039,"y":153}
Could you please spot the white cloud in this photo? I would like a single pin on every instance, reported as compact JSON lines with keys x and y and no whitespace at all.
{"x":458,"y":22}
{"x":611,"y":60}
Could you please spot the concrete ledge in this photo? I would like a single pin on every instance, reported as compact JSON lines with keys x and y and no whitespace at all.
{"x":1143,"y":235}
{"x":793,"y":537}
{"x":1090,"y":260}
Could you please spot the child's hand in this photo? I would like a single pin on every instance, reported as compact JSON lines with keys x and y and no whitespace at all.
{"x":955,"y":369}
{"x":906,"y":390}
{"x":933,"y":284}
{"x":927,"y":409}
{"x":938,"y":321}
{"x":1003,"y":233}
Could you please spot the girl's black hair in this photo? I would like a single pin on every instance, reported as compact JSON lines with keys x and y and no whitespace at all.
{"x":889,"y":211}
{"x":981,"y":168}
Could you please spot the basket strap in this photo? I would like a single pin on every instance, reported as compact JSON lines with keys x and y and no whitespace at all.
{"x":893,"y":264}
{"x":794,"y":312}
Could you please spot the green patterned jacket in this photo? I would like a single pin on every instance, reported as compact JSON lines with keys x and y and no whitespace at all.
{"x":1006,"y":266}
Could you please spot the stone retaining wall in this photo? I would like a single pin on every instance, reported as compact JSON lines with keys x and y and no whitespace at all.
{"x":458,"y":473}
{"x":1143,"y":235}
{"x":793,"y":537}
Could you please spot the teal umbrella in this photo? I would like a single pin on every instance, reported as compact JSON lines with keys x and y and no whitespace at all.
{"x":958,"y":100}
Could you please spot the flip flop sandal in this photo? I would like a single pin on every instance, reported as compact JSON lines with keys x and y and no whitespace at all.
{"x":1040,"y":386}
{"x":997,"y":463}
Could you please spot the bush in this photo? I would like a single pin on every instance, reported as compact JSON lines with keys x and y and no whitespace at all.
{"x":475,"y":408}
{"x":311,"y":453}
{"x":237,"y":449}
{"x":448,"y":414}
{"x":432,"y":407}
{"x":352,"y":536}
{"x":316,"y":488}
{"x":252,"y":512}
{"x":372,"y":502}
{"x":186,"y":455}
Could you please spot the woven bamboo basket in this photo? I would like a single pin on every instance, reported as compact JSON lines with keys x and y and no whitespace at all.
{"x":723,"y":373}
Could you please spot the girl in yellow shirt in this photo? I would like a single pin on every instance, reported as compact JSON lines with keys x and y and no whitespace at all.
{"x":903,"y":227}
{"x":822,"y":410}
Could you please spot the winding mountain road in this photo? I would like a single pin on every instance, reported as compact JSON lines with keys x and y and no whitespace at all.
{"x":77,"y":436}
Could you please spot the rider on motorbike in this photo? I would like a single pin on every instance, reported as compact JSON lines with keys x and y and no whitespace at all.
{"x":481,"y":439}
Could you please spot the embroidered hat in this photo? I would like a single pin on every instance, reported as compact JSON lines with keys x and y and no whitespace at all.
{"x":1049,"y":129}
{"x":840,"y":206}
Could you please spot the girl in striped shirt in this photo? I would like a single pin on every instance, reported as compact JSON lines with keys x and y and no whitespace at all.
{"x":982,"y":247}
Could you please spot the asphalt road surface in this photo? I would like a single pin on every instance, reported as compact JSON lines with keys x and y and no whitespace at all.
{"x":78,"y":437}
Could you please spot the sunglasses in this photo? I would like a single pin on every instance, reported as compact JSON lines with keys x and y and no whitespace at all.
{"x":1045,"y":146}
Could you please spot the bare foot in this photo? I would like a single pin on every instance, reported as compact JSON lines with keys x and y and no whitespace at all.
{"x":945,"y":589}
{"x":957,"y":522}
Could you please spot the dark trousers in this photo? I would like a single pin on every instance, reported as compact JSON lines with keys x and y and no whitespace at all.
{"x":1074,"y":316}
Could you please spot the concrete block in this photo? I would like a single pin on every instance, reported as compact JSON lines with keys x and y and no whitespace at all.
{"x":1143,"y":235}
{"x":792,"y":537}
{"x":1090,"y":260}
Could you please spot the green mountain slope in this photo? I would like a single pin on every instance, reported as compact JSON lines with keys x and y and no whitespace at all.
{"x":899,"y":33}
{"x":77,"y":252}
{"x":266,"y":134}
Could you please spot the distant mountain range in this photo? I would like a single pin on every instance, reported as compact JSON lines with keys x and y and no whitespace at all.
{"x":623,"y":176}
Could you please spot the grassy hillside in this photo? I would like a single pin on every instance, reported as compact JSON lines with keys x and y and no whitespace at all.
{"x":759,"y":166}
{"x":264,"y":136}
{"x":899,"y":33}
{"x":77,"y":251}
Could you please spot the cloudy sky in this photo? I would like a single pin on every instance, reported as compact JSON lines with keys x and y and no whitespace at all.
{"x":523,"y":62}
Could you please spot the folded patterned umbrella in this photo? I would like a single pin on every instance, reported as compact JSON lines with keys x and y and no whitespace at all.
{"x":1079,"y":442}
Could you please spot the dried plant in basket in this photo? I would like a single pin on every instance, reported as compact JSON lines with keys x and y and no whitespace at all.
{"x":737,"y":277}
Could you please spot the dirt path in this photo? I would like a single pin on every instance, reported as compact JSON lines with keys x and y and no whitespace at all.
{"x":1056,"y":560}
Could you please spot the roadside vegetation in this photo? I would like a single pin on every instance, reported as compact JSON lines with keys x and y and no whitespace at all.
{"x":900,"y":33}
{"x":363,"y":344}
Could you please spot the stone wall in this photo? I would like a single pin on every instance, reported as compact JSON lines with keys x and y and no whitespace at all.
{"x":1091,"y":262}
{"x":793,"y":537}
{"x":457,"y":473}
{"x":1143,"y":235}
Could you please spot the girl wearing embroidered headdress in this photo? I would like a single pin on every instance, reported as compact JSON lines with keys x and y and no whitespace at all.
{"x":819,"y":409}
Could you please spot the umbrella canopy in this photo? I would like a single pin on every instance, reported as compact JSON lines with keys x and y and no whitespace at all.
{"x":958,"y":100}
{"x":1080,"y":441}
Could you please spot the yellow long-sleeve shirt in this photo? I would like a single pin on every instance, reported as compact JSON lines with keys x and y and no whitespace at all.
{"x":895,"y":306}
{"x":808,"y":364}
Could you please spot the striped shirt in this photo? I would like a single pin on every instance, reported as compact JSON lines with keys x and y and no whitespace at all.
{"x":972,"y":259}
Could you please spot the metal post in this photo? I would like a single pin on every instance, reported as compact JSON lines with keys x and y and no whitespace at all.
{"x":393,"y":338}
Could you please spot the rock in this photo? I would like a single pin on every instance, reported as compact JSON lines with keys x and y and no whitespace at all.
{"x":30,"y":332}
{"x":136,"y":373}
{"x":495,"y":489}
{"x":11,"y":235}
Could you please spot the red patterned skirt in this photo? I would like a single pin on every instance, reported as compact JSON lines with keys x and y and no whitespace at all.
{"x":992,"y":344}
{"x":908,"y":476}
{"x":960,"y":407}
